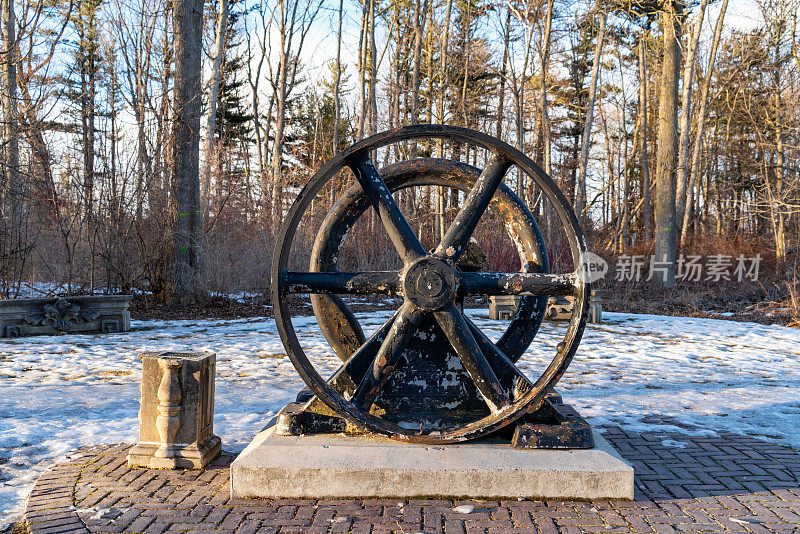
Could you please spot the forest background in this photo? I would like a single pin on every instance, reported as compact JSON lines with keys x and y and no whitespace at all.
{"x":153,"y":146}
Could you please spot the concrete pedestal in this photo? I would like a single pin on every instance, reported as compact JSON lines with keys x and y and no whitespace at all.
{"x":176,"y":413}
{"x":339,"y":466}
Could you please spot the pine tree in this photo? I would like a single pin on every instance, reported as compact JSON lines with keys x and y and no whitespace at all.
{"x":234,"y":122}
{"x":573,"y":97}
{"x":314,"y":123}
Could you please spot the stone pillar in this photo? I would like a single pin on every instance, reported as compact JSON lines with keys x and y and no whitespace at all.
{"x":560,"y":308}
{"x":176,"y":413}
{"x":596,"y":307}
{"x":503,"y":307}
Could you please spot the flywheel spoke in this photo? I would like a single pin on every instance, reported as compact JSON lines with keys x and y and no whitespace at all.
{"x":347,"y":377}
{"x":455,"y":239}
{"x":350,"y":374}
{"x":504,"y":368}
{"x":393,"y":346}
{"x":400,"y":232}
{"x":452,"y":322}
{"x":368,"y":283}
{"x":482,"y":283}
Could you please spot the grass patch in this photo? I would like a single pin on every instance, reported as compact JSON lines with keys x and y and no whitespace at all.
{"x":116,"y":373}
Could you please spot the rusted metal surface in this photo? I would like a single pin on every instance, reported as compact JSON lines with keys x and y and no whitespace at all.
{"x":428,"y":375}
{"x":334,"y":316}
{"x":554,"y":425}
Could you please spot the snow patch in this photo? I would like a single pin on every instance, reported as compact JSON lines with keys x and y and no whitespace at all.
{"x":645,"y":373}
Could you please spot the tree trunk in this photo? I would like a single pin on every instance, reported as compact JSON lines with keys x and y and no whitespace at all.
{"x":701,"y":122}
{"x":213,"y":97}
{"x":253,"y":80}
{"x":162,"y":155}
{"x":362,"y":69}
{"x":337,"y":82}
{"x":686,"y":101}
{"x":545,"y":121}
{"x":503,"y":72}
{"x":464,"y":42}
{"x":580,"y":196}
{"x":519,"y":127}
{"x":420,"y":17}
{"x":441,"y":199}
{"x":280,"y":116}
{"x":373,"y":72}
{"x":645,"y":163}
{"x":88,"y":88}
{"x":667,"y":147}
{"x":12,"y":125}
{"x":780,"y":158}
{"x":143,"y":168}
{"x":625,"y":166}
{"x":188,"y":284}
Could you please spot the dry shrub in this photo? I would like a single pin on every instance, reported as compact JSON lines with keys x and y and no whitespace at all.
{"x":238,"y":257}
{"x":793,"y":300}
{"x":774,"y":297}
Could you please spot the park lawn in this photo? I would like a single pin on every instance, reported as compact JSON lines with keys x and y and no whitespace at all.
{"x":640,"y":372}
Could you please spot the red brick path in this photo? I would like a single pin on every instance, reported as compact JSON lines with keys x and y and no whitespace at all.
{"x":729,"y":483}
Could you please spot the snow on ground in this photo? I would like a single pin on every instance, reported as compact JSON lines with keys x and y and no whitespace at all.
{"x":58,"y":393}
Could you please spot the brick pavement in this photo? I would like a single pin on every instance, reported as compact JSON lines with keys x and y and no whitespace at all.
{"x":726,"y":483}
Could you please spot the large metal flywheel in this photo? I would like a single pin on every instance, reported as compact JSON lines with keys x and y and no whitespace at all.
{"x":428,"y":374}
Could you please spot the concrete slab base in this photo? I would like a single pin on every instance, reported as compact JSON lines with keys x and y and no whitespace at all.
{"x":339,"y":466}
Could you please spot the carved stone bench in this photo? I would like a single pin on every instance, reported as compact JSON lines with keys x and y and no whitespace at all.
{"x":503,"y":307}
{"x":72,"y":315}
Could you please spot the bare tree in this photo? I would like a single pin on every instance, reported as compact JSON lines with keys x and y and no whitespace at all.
{"x":367,"y":69}
{"x":254,"y":69}
{"x":644,"y":160}
{"x":213,"y":97}
{"x":778,"y":208}
{"x":337,"y":81}
{"x":294,"y":21}
{"x":544,"y":127}
{"x":440,"y":193}
{"x":188,"y":285}
{"x":420,"y":18}
{"x":580,"y":193}
{"x":701,"y":123}
{"x":686,"y":103}
{"x":135,"y":33}
{"x":667,"y":145}
{"x":11,"y":133}
{"x":503,"y":75}
{"x":518,"y":77}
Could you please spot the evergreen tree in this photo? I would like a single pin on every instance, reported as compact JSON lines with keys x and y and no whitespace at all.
{"x":234,"y":124}
{"x":572,"y":96}
{"x":313,"y":123}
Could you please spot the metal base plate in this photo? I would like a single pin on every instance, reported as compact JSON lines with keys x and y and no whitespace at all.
{"x":554,"y":425}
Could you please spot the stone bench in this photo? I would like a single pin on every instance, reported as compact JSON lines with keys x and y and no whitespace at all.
{"x":70,"y":315}
{"x":503,"y":307}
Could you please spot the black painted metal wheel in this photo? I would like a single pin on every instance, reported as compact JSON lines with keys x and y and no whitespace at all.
{"x":430,"y":284}
{"x":340,"y":326}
